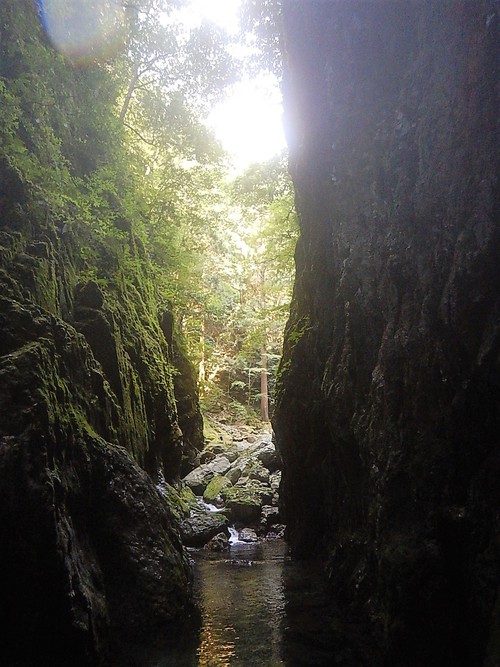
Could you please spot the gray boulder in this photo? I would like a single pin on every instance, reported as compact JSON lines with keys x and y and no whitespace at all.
{"x":218,"y":543}
{"x":199,"y":478}
{"x":270,"y":516}
{"x":268,"y":456}
{"x":201,"y":526}
{"x":248,"y":535}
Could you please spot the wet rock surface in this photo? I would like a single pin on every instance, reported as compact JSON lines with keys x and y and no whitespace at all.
{"x":200,"y":526}
{"x":91,"y":555}
{"x":241,"y":479}
{"x":387,"y":415}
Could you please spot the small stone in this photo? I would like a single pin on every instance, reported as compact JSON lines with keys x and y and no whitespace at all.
{"x":218,"y":543}
{"x":248,"y":535}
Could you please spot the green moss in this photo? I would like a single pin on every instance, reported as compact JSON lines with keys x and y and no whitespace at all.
{"x":187,"y":496}
{"x":218,"y":483}
{"x":209,"y":431}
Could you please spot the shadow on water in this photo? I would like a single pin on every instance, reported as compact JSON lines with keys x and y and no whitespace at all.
{"x":259,"y":608}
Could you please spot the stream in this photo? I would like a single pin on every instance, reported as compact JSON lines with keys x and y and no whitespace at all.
{"x":260,"y":609}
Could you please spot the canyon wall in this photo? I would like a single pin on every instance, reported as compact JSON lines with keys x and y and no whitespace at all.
{"x":91,"y":555}
{"x":91,"y":560}
{"x":387,"y":413}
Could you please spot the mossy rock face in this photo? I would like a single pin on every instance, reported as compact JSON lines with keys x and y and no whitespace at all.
{"x":218,"y":483}
{"x":180,"y":501}
{"x":90,"y":550}
{"x":39,"y":264}
{"x":188,"y":496}
{"x":121,"y":326}
{"x":188,"y":407}
{"x":244,"y":503}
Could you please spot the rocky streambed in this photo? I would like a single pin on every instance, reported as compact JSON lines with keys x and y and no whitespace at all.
{"x":232,"y":495}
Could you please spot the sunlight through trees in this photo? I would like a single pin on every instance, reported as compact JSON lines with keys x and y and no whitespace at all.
{"x":117,"y":140}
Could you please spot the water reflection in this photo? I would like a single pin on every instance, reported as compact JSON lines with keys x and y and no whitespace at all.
{"x":260,"y":609}
{"x":241,"y":596}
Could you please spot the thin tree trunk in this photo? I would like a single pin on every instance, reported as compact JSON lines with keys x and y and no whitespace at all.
{"x":201,"y":365}
{"x":130,"y":91}
{"x":264,"y":399}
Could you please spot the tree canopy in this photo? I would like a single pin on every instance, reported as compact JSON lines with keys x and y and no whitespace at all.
{"x":108,"y":128}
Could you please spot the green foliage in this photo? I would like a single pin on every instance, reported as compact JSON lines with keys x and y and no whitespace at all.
{"x":242,"y":340}
{"x":262,"y":19}
{"x":118,"y":150}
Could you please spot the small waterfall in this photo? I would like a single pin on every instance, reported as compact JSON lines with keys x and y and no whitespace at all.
{"x":208,"y":506}
{"x":162,"y":486}
{"x":234,"y":536}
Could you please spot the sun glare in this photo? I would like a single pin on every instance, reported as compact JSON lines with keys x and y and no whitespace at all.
{"x":223,"y":13}
{"x":248,"y":121}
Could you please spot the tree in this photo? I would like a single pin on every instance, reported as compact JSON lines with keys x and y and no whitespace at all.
{"x":245,"y":330}
{"x":261,"y":21}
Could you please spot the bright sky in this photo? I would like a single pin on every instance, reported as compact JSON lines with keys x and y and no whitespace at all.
{"x":249,"y":121}
{"x":222,"y":12}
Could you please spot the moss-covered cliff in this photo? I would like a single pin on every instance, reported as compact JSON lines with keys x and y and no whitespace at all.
{"x":91,"y":557}
{"x":91,"y":553}
{"x":388,"y":404}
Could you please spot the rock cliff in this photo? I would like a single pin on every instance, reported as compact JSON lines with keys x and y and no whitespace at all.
{"x":91,"y":555}
{"x":387,"y":416}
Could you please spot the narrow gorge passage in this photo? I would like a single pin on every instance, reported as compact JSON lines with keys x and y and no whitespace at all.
{"x":150,"y":515}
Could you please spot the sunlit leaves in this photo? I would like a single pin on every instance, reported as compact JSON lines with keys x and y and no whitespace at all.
{"x":262,"y":19}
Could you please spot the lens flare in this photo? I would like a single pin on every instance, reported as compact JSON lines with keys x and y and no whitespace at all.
{"x":85,"y":31}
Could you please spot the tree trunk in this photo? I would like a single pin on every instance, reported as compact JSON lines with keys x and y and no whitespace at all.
{"x":130,"y":91}
{"x":201,"y":365}
{"x":264,"y":399}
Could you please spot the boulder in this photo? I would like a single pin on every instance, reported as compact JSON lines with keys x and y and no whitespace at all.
{"x":219,"y":465}
{"x":248,"y":535}
{"x":258,"y":473}
{"x":214,"y":488}
{"x":268,"y":456}
{"x":201,"y":526}
{"x":243,"y":503}
{"x":218,"y":543}
{"x":199,"y":478}
{"x":215,"y":449}
{"x":233,"y":474}
{"x":207,"y":456}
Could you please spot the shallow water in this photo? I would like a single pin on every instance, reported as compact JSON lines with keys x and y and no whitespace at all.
{"x":261,"y":609}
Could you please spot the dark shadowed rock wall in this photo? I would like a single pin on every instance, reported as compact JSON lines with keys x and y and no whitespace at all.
{"x":186,"y":396}
{"x":389,"y":389}
{"x":91,"y":556}
{"x":91,"y":561}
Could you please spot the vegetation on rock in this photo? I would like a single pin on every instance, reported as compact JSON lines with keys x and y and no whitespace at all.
{"x":114,"y":230}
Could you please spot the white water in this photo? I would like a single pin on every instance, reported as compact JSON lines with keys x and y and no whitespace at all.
{"x":234,"y":536}
{"x":208,"y":506}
